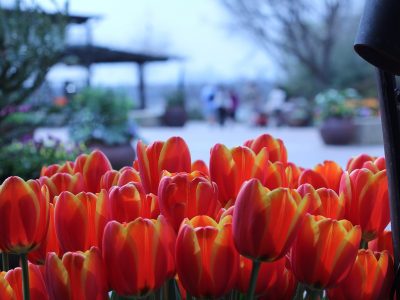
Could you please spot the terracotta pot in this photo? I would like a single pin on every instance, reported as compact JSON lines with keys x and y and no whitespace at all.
{"x":335,"y":131}
{"x":119,"y":155}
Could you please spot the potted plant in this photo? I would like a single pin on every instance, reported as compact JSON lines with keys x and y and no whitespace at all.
{"x":336,"y":116}
{"x":99,"y":118}
{"x":175,"y":113}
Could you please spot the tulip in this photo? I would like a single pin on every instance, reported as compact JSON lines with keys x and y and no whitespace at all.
{"x":24,"y":215}
{"x":186,"y":195}
{"x":377,"y":165}
{"x":266,"y":222}
{"x":275,"y":176}
{"x":201,"y":166}
{"x":366,"y":201}
{"x":128,"y":202}
{"x":49,"y":244}
{"x":229,"y":168}
{"x":275,"y":147}
{"x":67,"y":167}
{"x":324,"y":251}
{"x":79,"y":221}
{"x":37,"y":286}
{"x":293,"y":173}
{"x":274,"y":281}
{"x":331,"y":172}
{"x":370,"y":278}
{"x":357,"y":162}
{"x":172,"y":156}
{"x":119,"y":178}
{"x":206,"y":259}
{"x":312,"y":177}
{"x":327,"y":203}
{"x":136,"y":255}
{"x":152,"y":203}
{"x":6,"y":291}
{"x":383,"y":242}
{"x":77,"y":276}
{"x":92,"y":167}
{"x":61,"y":182}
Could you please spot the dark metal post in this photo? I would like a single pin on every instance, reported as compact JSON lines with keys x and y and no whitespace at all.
{"x":141,"y":86}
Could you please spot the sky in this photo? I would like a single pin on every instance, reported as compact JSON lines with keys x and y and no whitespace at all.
{"x":197,"y":30}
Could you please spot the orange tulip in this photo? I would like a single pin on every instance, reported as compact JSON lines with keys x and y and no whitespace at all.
{"x":184,"y":195}
{"x":92,"y":167}
{"x":128,"y":202}
{"x":119,"y":178}
{"x":377,"y":165}
{"x":324,"y":251}
{"x":366,"y":200}
{"x":201,"y":166}
{"x":383,"y":242}
{"x":325,"y":175}
{"x":67,"y":167}
{"x":152,"y":202}
{"x":266,"y":222}
{"x":274,"y":280}
{"x":206,"y":259}
{"x":49,"y":244}
{"x":172,"y":156}
{"x":78,"y":276}
{"x":326,"y":203}
{"x":37,"y":286}
{"x":275,"y":176}
{"x":6,"y":291}
{"x":293,"y":173}
{"x":79,"y":221}
{"x":136,"y":256}
{"x":61,"y":182}
{"x":24,"y":214}
{"x":275,"y":147}
{"x":229,"y":168}
{"x":370,"y":278}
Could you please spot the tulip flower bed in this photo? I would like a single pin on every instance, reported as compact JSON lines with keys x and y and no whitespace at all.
{"x":248,"y":225}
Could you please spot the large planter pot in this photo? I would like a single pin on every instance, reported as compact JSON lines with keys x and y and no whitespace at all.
{"x":175,"y":116}
{"x":118,"y":155}
{"x":369,"y":131}
{"x":336,"y":131}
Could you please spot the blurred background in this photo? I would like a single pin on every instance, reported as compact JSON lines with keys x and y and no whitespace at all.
{"x":84,"y":74}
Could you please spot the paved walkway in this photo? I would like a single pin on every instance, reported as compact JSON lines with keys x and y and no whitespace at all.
{"x":305,"y":146}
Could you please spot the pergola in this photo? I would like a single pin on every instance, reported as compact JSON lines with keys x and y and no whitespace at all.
{"x":88,"y":55}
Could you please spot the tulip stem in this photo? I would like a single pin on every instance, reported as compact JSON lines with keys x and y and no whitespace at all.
{"x":6,"y":263}
{"x":253,"y":279}
{"x":299,"y":292}
{"x":25,"y":276}
{"x":363,"y":244}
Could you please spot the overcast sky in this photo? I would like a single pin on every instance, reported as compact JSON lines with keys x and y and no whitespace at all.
{"x":195,"y":29}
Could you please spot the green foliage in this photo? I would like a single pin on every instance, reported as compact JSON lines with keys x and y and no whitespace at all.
{"x":335,"y":103}
{"x":31,"y":41}
{"x":100,"y":115}
{"x":26,"y":159}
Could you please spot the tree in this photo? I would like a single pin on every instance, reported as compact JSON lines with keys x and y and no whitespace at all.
{"x":300,"y":33}
{"x":31,"y":42}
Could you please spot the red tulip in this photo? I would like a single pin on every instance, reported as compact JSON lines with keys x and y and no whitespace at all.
{"x":49,"y":244}
{"x":230,"y":168}
{"x":152,"y":202}
{"x":366,"y":201}
{"x":275,"y":176}
{"x":331,"y":172}
{"x":327,"y":203}
{"x":184,"y":195}
{"x":6,"y":291}
{"x":79,"y":221}
{"x":293,"y":173}
{"x":61,"y":182}
{"x":92,"y":167}
{"x":67,"y":167}
{"x":136,"y":256}
{"x":119,"y":178}
{"x":128,"y":202}
{"x":266,"y":222}
{"x":274,"y":280}
{"x":172,"y":156}
{"x":37,"y":286}
{"x":201,"y":166}
{"x":383,"y":242}
{"x":370,"y":278}
{"x":78,"y":276}
{"x":324,"y":251}
{"x":357,"y":162}
{"x":24,"y":215}
{"x":275,"y":147}
{"x":206,"y":259}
